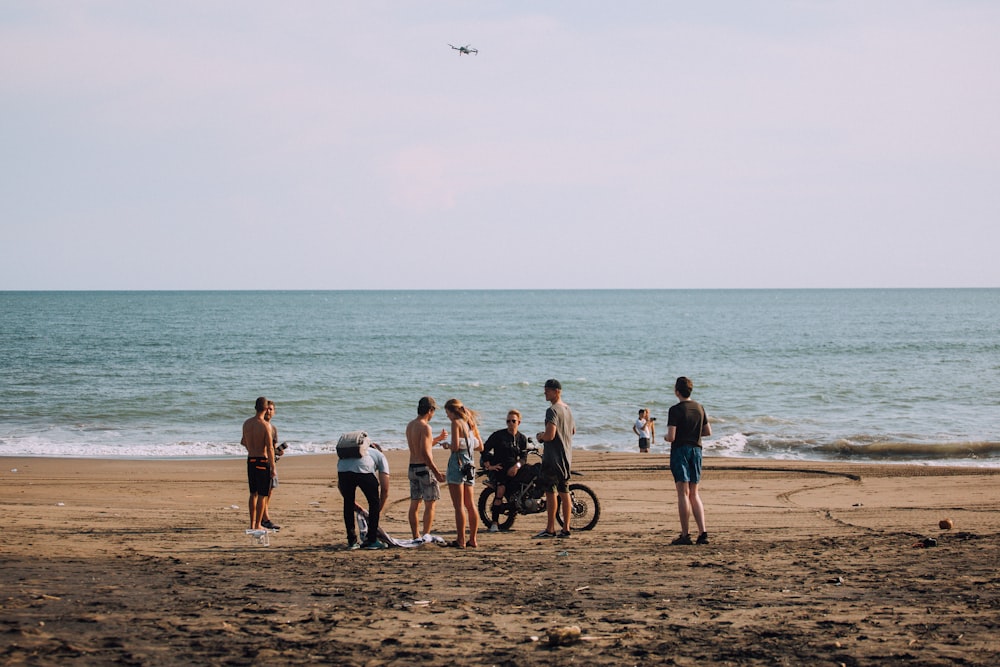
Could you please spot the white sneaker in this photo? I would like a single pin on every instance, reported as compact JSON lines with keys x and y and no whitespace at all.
{"x":494,"y":528}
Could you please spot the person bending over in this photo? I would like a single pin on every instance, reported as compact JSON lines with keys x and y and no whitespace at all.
{"x":370,"y":473}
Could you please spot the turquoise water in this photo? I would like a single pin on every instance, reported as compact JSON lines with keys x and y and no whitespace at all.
{"x":898,"y":375}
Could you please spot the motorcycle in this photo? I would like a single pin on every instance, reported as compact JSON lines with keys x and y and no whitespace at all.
{"x":525,"y":494}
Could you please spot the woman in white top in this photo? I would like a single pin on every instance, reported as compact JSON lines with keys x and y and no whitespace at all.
{"x":465,"y":440}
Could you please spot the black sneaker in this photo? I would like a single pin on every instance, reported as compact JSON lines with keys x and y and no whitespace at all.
{"x":702,"y":539}
{"x":269,"y":525}
{"x":683,"y":540}
{"x":564,"y":533}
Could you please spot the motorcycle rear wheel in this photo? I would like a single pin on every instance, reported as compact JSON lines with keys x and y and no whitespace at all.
{"x":586,"y":508}
{"x":506,"y":516}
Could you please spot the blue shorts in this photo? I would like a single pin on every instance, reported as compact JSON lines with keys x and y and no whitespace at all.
{"x":685,"y":464}
{"x":453,"y":474}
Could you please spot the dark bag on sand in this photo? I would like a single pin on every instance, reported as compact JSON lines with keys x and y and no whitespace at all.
{"x":353,"y":445}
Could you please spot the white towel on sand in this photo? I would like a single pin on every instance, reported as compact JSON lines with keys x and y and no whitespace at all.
{"x":362,"y":517}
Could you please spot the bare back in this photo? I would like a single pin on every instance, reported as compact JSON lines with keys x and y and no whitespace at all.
{"x":419,"y":441}
{"x":257,"y":438}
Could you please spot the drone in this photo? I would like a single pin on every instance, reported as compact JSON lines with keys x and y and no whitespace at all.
{"x":467,"y":49}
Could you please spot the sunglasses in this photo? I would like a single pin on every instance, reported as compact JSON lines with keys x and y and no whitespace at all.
{"x":511,"y":421}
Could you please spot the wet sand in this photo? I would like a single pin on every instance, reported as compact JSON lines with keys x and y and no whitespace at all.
{"x":147,"y":563}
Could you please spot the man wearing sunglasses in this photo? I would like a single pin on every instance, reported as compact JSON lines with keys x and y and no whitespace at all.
{"x":504,"y":452}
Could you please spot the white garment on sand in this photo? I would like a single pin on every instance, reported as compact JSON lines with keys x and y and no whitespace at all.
{"x":362,"y":517}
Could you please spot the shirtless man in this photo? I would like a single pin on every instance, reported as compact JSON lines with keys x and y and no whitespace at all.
{"x":260,"y":461}
{"x":268,"y":416}
{"x":424,"y":476}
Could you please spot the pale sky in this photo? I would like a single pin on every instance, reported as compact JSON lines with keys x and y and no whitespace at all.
{"x":344,"y":145}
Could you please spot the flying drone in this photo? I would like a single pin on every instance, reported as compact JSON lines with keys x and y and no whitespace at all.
{"x":467,"y":49}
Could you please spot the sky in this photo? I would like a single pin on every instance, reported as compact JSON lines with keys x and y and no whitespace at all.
{"x":589,"y":145}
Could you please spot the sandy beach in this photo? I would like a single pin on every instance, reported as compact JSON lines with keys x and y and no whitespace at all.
{"x":146,"y":563}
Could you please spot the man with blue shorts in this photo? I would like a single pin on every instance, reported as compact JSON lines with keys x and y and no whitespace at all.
{"x":686,"y":424}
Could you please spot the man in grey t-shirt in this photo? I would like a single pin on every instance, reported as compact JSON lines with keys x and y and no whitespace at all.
{"x":557,"y":458}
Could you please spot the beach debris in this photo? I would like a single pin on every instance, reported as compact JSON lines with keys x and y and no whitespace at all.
{"x":409,"y":604}
{"x":582,"y":588}
{"x":13,"y":469}
{"x":60,"y":504}
{"x":965,"y":535}
{"x":946,"y":524}
{"x":564,"y":636}
{"x":836,"y":581}
{"x":562,"y":553}
{"x":234,"y":507}
{"x":925,"y":543}
{"x":858,"y":505}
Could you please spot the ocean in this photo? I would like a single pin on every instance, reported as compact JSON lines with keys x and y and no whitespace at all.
{"x":896,"y":375}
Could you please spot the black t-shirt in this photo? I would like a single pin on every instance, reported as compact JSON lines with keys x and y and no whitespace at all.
{"x":503,"y":448}
{"x":688,"y":417}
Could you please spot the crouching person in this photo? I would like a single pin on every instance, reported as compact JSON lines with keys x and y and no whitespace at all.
{"x":368,"y":471}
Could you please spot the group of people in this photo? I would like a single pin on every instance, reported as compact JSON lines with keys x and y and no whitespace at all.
{"x":503,"y":455}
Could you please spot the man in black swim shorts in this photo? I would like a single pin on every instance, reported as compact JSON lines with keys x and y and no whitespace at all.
{"x":260,"y":462}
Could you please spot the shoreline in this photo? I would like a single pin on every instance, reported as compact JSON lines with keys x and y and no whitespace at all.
{"x":729,"y":460}
{"x":146,"y":561}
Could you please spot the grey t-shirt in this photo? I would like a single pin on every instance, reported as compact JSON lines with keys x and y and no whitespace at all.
{"x":558,"y":453}
{"x":373,"y":462}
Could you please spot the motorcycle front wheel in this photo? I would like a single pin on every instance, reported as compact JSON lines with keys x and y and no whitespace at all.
{"x":505,"y":516}
{"x":586,"y":508}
